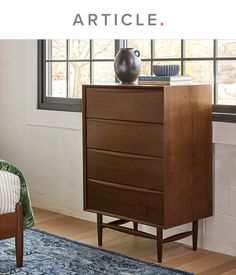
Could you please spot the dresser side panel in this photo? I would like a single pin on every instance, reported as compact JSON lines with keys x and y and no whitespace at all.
{"x":187,"y":154}
{"x":84,"y":135}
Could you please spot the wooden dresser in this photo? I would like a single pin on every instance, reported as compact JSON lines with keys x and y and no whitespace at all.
{"x":147,"y":153}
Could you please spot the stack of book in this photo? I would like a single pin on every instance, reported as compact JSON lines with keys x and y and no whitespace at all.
{"x":164,"y":80}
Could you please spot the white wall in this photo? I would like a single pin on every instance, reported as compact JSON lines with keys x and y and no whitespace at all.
{"x":220,"y":230}
{"x":47,"y":146}
{"x":51,"y":157}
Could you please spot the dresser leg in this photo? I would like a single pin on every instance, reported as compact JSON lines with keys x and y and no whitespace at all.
{"x":159,"y":244}
{"x":99,"y":229}
{"x":135,"y":225}
{"x":195,"y":234}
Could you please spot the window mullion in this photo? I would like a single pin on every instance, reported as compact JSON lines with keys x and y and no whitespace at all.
{"x":48,"y":66}
{"x":67,"y":68}
{"x":152,"y":54}
{"x":49,"y":49}
{"x":91,"y":78}
{"x":182,"y":48}
{"x":215,"y":71}
{"x":122,"y":43}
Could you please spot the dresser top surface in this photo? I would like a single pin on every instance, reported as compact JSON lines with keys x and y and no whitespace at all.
{"x":137,"y":86}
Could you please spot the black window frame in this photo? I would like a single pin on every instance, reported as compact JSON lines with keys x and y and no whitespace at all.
{"x":52,"y":103}
{"x":59,"y":103}
{"x":225,"y":113}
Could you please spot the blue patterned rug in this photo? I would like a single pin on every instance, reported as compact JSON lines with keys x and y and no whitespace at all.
{"x":49,"y":254}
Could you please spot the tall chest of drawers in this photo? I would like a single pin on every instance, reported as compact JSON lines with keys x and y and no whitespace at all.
{"x":147,"y":156}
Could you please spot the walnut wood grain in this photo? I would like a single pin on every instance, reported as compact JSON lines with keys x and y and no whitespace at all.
{"x":8,"y":225}
{"x":99,"y":229}
{"x":187,"y":154}
{"x":118,"y":200}
{"x":84,"y":140}
{"x":159,"y":238}
{"x":125,"y":104}
{"x":138,"y":140}
{"x":11,"y":225}
{"x":178,"y":237}
{"x":195,"y":234}
{"x":128,"y":169}
{"x":129,"y":231}
{"x":19,"y":236}
{"x":128,"y":137}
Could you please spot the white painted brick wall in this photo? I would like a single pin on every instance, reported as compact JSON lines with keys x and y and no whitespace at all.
{"x":225,"y":164}
{"x":221,"y":199}
{"x":232,"y":200}
{"x":221,"y":228}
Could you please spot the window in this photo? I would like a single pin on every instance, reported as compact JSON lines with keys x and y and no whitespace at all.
{"x":64,"y":65}
{"x":206,"y":61}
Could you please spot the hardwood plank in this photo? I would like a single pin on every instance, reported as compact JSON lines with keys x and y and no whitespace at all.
{"x":231,"y":272}
{"x":225,"y":268}
{"x":189,"y":258}
{"x":206,"y":263}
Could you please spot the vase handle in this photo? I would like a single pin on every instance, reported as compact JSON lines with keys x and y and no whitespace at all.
{"x":137,"y":53}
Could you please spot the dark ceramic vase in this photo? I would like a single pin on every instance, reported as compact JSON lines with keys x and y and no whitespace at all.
{"x":127,"y":65}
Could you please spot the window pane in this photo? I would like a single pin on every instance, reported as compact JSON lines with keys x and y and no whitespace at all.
{"x":143,"y":46}
{"x":226,"y":82}
{"x":104,"y":49}
{"x":167,"y":48}
{"x":103,"y":72}
{"x":78,"y":75}
{"x":56,"y":79}
{"x":79,"y":49}
{"x":226,"y":48}
{"x":198,"y":48}
{"x":169,"y":63}
{"x":145,"y":68}
{"x":56,"y":49}
{"x":200,"y":71}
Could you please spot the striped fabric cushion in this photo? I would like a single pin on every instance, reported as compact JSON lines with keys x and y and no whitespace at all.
{"x":10,"y":189}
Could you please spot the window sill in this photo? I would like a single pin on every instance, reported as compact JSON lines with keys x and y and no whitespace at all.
{"x":54,"y":119}
{"x":224,"y":117}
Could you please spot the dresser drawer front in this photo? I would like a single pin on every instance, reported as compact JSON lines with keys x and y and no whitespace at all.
{"x":125,"y":104}
{"x":126,"y":169}
{"x":128,"y":137}
{"x":113,"y":199}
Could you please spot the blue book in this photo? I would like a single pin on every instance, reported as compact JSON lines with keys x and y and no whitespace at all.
{"x":164,"y":78}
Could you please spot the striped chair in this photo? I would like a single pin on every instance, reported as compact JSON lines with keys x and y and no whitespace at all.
{"x":11,"y":214}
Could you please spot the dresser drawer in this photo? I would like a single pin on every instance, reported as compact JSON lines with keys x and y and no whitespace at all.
{"x":125,"y":202}
{"x":125,"y":104}
{"x":125,"y":169}
{"x":128,"y":137}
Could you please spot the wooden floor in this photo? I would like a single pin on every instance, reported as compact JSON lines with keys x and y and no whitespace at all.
{"x":175,"y":255}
